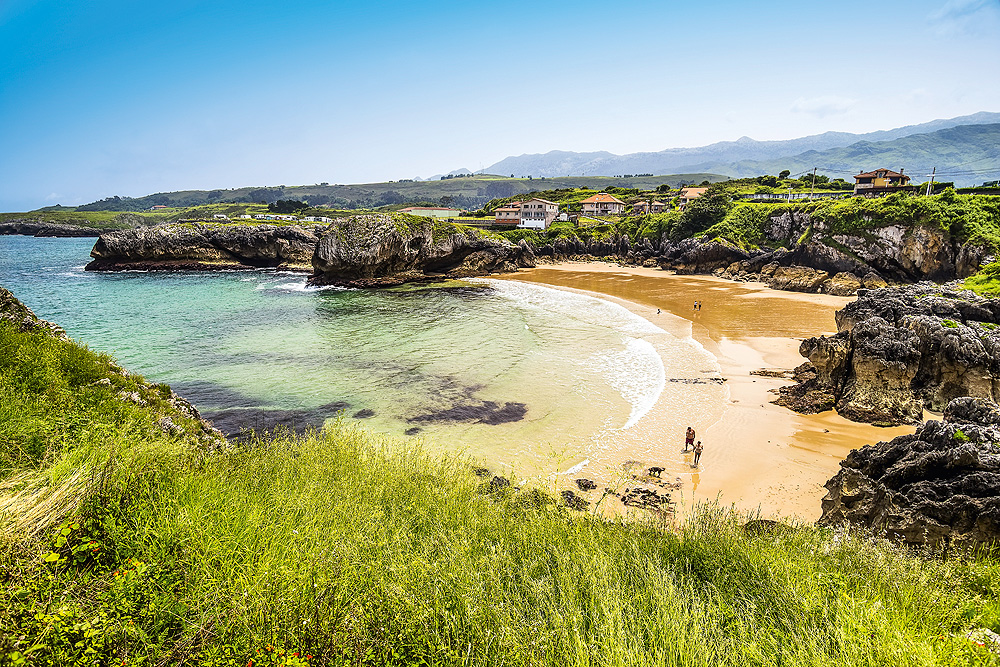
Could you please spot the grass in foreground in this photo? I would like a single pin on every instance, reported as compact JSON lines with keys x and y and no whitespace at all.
{"x":343,"y":548}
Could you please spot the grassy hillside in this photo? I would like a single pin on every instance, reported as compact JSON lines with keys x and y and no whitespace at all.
{"x":125,"y":541}
{"x":466,"y":192}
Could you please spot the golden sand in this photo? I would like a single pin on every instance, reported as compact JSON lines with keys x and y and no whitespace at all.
{"x":758,"y":456}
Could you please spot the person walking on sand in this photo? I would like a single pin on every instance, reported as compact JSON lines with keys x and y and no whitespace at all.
{"x":698,"y":449}
{"x":689,"y":438}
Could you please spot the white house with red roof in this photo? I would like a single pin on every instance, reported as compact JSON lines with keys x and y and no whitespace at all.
{"x":603,"y":204}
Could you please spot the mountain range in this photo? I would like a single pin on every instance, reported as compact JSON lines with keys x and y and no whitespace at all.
{"x":944,"y":144}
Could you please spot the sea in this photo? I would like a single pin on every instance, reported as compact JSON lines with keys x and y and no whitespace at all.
{"x":525,"y":378}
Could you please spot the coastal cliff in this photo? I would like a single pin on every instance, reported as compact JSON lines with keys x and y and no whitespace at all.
{"x":45,"y":229}
{"x":380,"y":249}
{"x":901,"y":350}
{"x":938,"y":485}
{"x":206,"y":246}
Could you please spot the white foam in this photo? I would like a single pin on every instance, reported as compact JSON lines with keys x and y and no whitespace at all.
{"x":637,"y":373}
{"x":569,"y":305}
{"x":297,"y":286}
{"x":577,"y":468}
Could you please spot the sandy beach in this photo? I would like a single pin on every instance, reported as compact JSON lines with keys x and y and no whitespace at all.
{"x":758,"y":457}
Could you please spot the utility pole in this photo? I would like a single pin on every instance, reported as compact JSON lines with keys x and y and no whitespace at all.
{"x":930,"y":185}
{"x":813,"y":188}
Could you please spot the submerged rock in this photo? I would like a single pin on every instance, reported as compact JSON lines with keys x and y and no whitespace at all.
{"x":941,"y":484}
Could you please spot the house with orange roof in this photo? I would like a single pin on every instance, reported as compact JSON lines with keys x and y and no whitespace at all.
{"x":510,"y":214}
{"x":603,"y":204}
{"x":688,"y":195}
{"x":880,"y":181}
{"x":644,"y":207}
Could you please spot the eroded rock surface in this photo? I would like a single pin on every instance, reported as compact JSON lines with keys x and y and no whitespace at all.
{"x":900,"y":350}
{"x":376,"y":249}
{"x":208,"y":246}
{"x":941,"y":484}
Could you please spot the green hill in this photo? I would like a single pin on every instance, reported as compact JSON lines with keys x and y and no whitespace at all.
{"x":968,"y":155}
{"x":462,"y":192}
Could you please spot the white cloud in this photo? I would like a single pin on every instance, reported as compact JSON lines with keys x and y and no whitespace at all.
{"x":966,"y":16}
{"x":53,"y":196}
{"x":824,"y":105}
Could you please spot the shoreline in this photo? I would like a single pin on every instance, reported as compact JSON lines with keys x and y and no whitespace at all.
{"x":761,"y":458}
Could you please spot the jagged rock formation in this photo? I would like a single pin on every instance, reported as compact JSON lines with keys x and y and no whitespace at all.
{"x":206,"y":246}
{"x":939,"y":485}
{"x":810,"y":255}
{"x":380,"y":249}
{"x":12,"y":310}
{"x":900,"y":350}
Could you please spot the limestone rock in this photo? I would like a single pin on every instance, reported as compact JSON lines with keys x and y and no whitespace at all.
{"x":842,"y":284}
{"x":186,"y":246}
{"x":901,"y":350}
{"x":374,"y":249}
{"x":797,"y":279}
{"x":941,"y":484}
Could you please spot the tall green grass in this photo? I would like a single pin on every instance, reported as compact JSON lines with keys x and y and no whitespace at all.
{"x":343,"y":547}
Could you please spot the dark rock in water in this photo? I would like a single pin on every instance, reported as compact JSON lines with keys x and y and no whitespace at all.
{"x":574,"y":501}
{"x":498,"y":484}
{"x":364,"y":413}
{"x":382,"y":249}
{"x":655,"y":471}
{"x":412,"y":431}
{"x":900,"y":350}
{"x":483,"y":412}
{"x":481,"y":472}
{"x":645,"y":498}
{"x":939,"y":485}
{"x":585,"y":484}
{"x":234,"y":422}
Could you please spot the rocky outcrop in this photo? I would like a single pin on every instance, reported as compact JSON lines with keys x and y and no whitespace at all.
{"x":939,"y":485}
{"x":206,"y":246}
{"x":381,"y":249}
{"x":900,"y":350}
{"x":22,"y":317}
{"x":42,"y":229}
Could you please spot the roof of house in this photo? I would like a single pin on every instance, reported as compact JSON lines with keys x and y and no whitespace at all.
{"x":886,"y":173}
{"x":658,"y":203}
{"x":692,"y":192}
{"x":602,"y":198}
{"x":512,"y":206}
{"x":544,"y":201}
{"x":428,"y":208}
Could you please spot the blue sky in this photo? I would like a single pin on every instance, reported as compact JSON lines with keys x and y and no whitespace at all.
{"x":109,"y":97}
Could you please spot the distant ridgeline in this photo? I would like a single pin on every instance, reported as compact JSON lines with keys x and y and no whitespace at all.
{"x":469,"y":192}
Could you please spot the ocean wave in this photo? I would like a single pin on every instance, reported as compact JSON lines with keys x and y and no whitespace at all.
{"x":298,"y":286}
{"x":570,"y":305}
{"x":637,"y":373}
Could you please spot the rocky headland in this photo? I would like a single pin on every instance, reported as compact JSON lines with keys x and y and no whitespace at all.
{"x":206,"y":246}
{"x":900,"y":350}
{"x":940,"y":485}
{"x":45,"y":229}
{"x":381,"y":249}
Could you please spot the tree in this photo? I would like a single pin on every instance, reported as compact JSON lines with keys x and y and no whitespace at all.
{"x":784,"y":173}
{"x":703,"y":212}
{"x":287,"y":206}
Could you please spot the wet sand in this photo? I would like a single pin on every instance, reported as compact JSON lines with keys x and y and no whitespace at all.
{"x":758,"y":456}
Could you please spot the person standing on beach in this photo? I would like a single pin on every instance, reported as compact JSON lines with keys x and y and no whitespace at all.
{"x":688,"y":438}
{"x":698,"y":449}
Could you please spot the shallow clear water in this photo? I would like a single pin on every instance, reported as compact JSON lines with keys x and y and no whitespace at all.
{"x":514,"y":373}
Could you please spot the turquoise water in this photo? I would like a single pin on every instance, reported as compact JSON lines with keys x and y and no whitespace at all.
{"x":513,"y":373}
